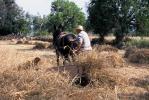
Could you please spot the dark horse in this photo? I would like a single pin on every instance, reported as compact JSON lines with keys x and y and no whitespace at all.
{"x":63,"y":45}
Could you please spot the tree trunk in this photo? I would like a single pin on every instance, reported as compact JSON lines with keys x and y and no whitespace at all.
{"x":101,"y":39}
{"x":119,"y":40}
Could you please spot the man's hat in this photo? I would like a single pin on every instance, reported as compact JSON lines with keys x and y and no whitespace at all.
{"x":79,"y":27}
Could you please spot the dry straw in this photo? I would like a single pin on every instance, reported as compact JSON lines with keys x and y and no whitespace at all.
{"x":30,"y":84}
{"x":98,"y":60}
{"x":137,"y":55}
{"x":93,"y":63}
{"x":101,"y":48}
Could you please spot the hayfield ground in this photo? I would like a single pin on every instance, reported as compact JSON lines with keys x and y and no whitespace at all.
{"x":21,"y":78}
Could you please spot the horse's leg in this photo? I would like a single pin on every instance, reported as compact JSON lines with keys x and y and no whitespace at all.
{"x":66,"y":58}
{"x":64,"y":61}
{"x":57,"y":54}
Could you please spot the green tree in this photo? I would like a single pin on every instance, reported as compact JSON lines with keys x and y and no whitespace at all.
{"x":11,"y":18}
{"x":39,"y":24}
{"x":125,"y":11}
{"x":121,"y":15}
{"x":25,"y":23}
{"x":100,"y":17}
{"x":142,"y":18}
{"x":104,"y":15}
{"x":66,"y":13}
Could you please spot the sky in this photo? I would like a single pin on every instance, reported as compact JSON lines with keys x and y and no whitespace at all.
{"x":42,"y":7}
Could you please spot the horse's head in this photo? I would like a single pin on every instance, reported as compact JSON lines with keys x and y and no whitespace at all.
{"x":57,"y":31}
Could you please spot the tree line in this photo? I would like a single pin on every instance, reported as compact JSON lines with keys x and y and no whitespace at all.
{"x":120,"y":17}
{"x":14,"y":20}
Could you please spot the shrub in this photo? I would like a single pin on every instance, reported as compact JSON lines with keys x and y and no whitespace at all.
{"x":138,"y":43}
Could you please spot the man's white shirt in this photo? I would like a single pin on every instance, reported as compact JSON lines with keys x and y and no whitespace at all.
{"x":83,"y":38}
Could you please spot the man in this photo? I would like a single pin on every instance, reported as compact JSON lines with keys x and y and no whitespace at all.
{"x":83,"y":40}
{"x":83,"y":47}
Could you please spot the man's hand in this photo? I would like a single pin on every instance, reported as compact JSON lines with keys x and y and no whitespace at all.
{"x":72,"y":40}
{"x":76,"y":51}
{"x":78,"y":48}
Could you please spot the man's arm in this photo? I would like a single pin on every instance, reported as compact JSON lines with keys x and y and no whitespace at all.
{"x":80,"y":42}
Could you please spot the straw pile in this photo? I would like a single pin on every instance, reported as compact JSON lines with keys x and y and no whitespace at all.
{"x":137,"y":55}
{"x":94,"y":63}
{"x":32,"y":85}
{"x":30,"y":64}
{"x":99,"y":60}
{"x":20,"y":41}
{"x":95,"y":60}
{"x":41,"y":45}
{"x":42,"y":38}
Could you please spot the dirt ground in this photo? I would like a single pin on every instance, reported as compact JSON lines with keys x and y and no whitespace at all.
{"x":137,"y":75}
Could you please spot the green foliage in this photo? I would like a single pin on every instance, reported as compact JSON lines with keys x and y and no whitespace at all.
{"x":37,"y":22}
{"x":118,"y":15}
{"x":66,"y":13}
{"x":11,"y":18}
{"x":143,"y":43}
{"x":124,"y":14}
{"x":40,"y":25}
{"x":104,"y":15}
{"x":100,"y":16}
{"x":142,"y":18}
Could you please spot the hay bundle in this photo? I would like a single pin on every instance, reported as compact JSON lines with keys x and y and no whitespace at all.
{"x":14,"y":41}
{"x":26,"y":42}
{"x":95,"y":60}
{"x":41,"y":45}
{"x":30,"y":64}
{"x":138,"y":56}
{"x":93,"y":64}
{"x":101,"y":48}
{"x":20,"y":41}
{"x":42,"y":38}
{"x":111,"y":59}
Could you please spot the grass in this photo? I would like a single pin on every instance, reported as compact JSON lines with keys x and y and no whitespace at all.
{"x":142,"y":43}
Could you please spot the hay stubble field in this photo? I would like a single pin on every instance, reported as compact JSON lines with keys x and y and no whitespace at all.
{"x":112,"y":76}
